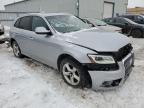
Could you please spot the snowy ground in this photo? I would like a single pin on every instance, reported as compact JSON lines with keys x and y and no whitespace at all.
{"x":25,"y":83}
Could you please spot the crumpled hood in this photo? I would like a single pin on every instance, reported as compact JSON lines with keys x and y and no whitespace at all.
{"x":98,"y":40}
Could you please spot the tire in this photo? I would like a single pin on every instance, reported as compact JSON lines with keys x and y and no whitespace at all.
{"x":16,"y":50}
{"x":74,"y":74}
{"x":137,"y":33}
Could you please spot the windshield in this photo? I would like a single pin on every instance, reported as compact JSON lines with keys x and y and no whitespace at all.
{"x":130,"y":21}
{"x":66,"y":23}
{"x":98,"y":22}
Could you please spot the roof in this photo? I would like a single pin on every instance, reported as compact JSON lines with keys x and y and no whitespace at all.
{"x":45,"y":14}
{"x":16,"y":2}
{"x":49,"y":14}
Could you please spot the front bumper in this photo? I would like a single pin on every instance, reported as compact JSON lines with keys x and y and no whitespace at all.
{"x":102,"y":80}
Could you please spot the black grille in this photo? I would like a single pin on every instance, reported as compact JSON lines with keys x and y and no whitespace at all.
{"x":101,"y":67}
{"x":123,"y":52}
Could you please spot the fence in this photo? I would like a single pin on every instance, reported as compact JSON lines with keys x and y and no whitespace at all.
{"x":7,"y":18}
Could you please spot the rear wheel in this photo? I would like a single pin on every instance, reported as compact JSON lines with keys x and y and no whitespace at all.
{"x":16,"y":49}
{"x":73,"y":73}
{"x":137,"y":33}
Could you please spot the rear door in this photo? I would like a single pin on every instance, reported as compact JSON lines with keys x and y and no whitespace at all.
{"x":22,"y":33}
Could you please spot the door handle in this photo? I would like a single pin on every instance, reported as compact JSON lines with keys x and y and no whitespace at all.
{"x":31,"y":38}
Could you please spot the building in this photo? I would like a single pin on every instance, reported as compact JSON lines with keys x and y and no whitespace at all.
{"x":82,"y":8}
{"x":136,"y":10}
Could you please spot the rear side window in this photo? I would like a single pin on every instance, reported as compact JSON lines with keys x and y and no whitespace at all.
{"x":139,"y":18}
{"x":38,"y":22}
{"x":130,"y":17}
{"x":25,"y":23}
{"x":110,"y":20}
{"x":17,"y":23}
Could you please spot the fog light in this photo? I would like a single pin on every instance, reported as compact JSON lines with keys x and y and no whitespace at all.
{"x":107,"y":84}
{"x":112,"y":83}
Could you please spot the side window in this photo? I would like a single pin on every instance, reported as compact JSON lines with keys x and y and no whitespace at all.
{"x":25,"y":23}
{"x":139,"y":18}
{"x":17,"y":23}
{"x":131,"y":17}
{"x":120,"y":21}
{"x":38,"y":22}
{"x":109,"y":20}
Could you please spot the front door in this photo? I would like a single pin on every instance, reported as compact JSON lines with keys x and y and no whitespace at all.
{"x":41,"y":44}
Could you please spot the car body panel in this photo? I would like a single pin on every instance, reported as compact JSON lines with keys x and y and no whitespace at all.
{"x":102,"y":25}
{"x":98,"y":40}
{"x":109,"y":76}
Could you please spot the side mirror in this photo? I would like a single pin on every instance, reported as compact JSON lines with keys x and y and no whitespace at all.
{"x":42,"y":30}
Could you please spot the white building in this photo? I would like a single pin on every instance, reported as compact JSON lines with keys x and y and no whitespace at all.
{"x":82,"y":8}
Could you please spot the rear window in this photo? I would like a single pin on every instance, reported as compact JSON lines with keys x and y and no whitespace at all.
{"x":131,"y":17}
{"x":109,"y":20}
{"x":17,"y":23}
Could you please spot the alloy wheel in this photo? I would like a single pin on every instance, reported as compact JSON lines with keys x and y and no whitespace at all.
{"x":16,"y":49}
{"x":71,"y":74}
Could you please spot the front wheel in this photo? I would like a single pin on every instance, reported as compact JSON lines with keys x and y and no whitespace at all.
{"x":16,"y":49}
{"x":137,"y":33}
{"x":73,"y":73}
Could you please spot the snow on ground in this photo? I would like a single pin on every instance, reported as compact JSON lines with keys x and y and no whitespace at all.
{"x":25,"y":83}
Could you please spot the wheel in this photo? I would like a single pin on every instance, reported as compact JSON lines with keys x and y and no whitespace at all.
{"x":16,"y":49}
{"x":74,"y":74}
{"x":137,"y":33}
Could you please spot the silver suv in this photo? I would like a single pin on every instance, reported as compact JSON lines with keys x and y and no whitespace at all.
{"x":85,"y":56}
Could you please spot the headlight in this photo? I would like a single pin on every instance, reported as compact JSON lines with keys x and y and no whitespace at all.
{"x":101,"y":59}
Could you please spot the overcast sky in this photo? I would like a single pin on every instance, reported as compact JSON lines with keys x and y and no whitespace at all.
{"x":132,"y":3}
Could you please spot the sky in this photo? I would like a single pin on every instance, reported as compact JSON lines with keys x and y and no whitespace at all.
{"x":131,"y":3}
{"x":134,"y":3}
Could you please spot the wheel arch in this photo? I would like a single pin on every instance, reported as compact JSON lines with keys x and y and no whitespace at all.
{"x":63,"y":56}
{"x":11,"y":41}
{"x":137,"y":29}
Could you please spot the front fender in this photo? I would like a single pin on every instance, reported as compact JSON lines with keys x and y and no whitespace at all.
{"x":79,"y":53}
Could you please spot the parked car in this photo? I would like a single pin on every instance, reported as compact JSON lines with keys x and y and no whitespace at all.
{"x":85,"y":56}
{"x":4,"y":37}
{"x":128,"y":26}
{"x":136,"y":18}
{"x":102,"y":25}
{"x":1,"y":29}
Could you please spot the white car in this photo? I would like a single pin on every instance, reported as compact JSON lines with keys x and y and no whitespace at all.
{"x":85,"y":56}
{"x":102,"y":25}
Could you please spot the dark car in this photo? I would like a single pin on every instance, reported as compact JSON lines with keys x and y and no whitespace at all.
{"x":128,"y":26}
{"x":136,"y":18}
